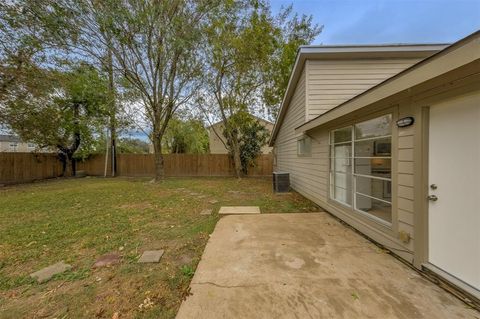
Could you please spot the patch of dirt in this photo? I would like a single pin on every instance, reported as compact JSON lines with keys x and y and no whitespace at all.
{"x":183,"y":259}
{"x":140,"y":206}
{"x":107,"y":260}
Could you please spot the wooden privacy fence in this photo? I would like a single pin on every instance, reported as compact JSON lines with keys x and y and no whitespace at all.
{"x":24,"y":167}
{"x":175,"y":165}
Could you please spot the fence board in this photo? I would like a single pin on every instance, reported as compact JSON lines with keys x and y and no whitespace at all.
{"x":25,"y":167}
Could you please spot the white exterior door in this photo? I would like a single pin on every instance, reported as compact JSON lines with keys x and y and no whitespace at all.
{"x":454,"y":178}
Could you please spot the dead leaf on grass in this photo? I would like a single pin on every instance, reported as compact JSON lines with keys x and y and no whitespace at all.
{"x":147,"y":303}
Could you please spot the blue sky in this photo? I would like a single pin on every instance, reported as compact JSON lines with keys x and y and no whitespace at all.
{"x":389,"y":21}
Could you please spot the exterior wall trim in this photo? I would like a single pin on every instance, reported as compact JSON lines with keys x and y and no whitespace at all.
{"x":345,"y":52}
{"x":420,"y":186}
{"x":455,"y":56}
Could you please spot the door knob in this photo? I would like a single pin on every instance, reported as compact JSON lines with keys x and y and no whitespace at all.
{"x":432,"y":198}
{"x":433,"y":186}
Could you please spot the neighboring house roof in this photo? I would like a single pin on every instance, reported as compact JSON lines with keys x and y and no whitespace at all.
{"x":258,"y":118}
{"x":455,"y":56}
{"x":9,"y":138}
{"x":347,"y":52}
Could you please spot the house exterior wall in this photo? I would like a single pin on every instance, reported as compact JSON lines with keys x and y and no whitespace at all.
{"x":307,"y":173}
{"x":447,"y":78}
{"x":332,"y":82}
{"x":6,"y":146}
{"x":216,"y":142}
{"x":310,"y":175}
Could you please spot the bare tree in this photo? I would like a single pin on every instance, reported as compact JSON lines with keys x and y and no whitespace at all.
{"x":152,"y":45}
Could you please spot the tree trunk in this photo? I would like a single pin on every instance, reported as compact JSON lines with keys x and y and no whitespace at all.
{"x":68,"y":162}
{"x":113,"y":146}
{"x":76,"y":140}
{"x":73,"y":161}
{"x":113,"y":129}
{"x":236,"y":158}
{"x":159,"y":168}
{"x":63,"y":159}
{"x":68,"y":168}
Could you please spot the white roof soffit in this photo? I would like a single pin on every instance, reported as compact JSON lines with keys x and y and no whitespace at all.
{"x":348,"y":52}
{"x":460,"y":53}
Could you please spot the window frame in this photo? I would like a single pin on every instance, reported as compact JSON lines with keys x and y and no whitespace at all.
{"x":304,"y":138}
{"x":389,"y":227}
{"x":13,"y":146}
{"x":333,"y":171}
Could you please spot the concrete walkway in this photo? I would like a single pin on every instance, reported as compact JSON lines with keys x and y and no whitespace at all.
{"x":307,"y":266}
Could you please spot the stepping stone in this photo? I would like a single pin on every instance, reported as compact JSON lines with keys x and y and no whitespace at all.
{"x":206,"y":212}
{"x":239,"y":210}
{"x":151,"y":256}
{"x":107,"y":260}
{"x":48,"y":272}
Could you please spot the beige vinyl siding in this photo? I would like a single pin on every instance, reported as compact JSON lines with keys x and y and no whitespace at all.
{"x":310,"y":177}
{"x":216,"y":143}
{"x":308,"y":174}
{"x":21,"y":147}
{"x":332,"y":82}
{"x":405,"y":193}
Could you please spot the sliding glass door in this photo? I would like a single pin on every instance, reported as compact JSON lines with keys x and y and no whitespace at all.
{"x":360,"y":169}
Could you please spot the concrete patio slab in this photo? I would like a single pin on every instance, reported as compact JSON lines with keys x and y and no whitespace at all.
{"x":151,"y":256}
{"x":48,"y":272}
{"x":238,"y":210}
{"x":307,"y":266}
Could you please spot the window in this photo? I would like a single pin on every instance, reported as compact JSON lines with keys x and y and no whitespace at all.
{"x":341,"y":165}
{"x":304,"y":146}
{"x":13,"y":146}
{"x":360,"y":167}
{"x":31,"y":145}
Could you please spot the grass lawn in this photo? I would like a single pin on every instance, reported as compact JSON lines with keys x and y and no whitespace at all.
{"x":78,"y":220}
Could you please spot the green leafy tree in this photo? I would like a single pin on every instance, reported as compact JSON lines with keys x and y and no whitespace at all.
{"x":125,"y":145}
{"x":152,"y":45}
{"x":293,"y":31}
{"x":240,"y":43}
{"x":252,"y":136}
{"x":63,"y":113}
{"x":132,"y":146}
{"x":249,"y":56}
{"x":188,"y":136}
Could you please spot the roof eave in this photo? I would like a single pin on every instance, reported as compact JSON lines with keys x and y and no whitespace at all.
{"x":405,"y":79}
{"x":344,"y":52}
